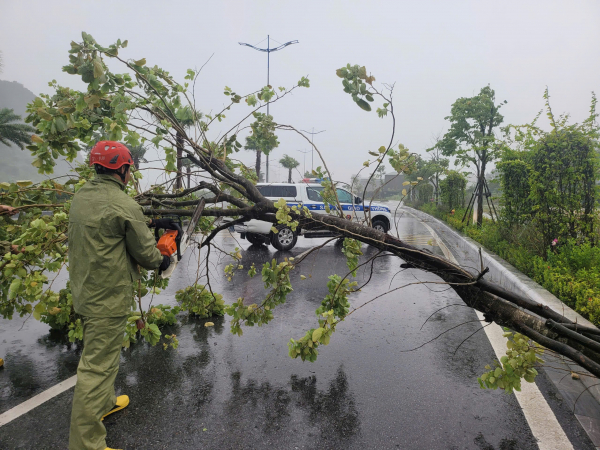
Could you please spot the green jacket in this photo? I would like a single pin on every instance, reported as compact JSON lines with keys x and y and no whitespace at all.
{"x":108,"y":238}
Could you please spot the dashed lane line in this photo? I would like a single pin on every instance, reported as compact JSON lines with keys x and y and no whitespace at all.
{"x":542,"y":421}
{"x":37,"y":400}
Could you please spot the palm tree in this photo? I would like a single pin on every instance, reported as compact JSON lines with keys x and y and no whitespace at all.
{"x":188,"y":168}
{"x":17,"y":133}
{"x":187,"y":117}
{"x":252,"y":145}
{"x":289,"y":163}
{"x":137,"y":153}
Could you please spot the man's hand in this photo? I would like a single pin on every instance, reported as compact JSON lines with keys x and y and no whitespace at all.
{"x":5,"y":209}
{"x":164,"y":224}
{"x":16,"y":249}
{"x":166,"y":262}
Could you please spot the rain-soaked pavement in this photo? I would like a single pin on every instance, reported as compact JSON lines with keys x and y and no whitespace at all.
{"x":366,"y":390}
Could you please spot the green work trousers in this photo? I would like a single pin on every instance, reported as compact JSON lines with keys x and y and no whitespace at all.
{"x":95,"y":388}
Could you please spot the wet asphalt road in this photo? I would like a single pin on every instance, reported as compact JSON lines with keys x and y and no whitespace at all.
{"x":366,"y":390}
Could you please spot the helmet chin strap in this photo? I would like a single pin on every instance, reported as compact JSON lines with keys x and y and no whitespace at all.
{"x":122,"y":175}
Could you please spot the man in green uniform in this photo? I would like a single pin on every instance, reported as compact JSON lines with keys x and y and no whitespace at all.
{"x":108,"y":239}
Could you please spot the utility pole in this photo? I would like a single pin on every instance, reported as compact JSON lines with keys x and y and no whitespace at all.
{"x":268,"y":50}
{"x":312,"y":135}
{"x":304,"y":152}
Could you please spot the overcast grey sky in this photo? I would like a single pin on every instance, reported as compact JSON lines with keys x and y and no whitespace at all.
{"x":435,"y":52}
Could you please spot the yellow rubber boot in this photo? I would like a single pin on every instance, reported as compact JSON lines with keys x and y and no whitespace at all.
{"x":122,"y":402}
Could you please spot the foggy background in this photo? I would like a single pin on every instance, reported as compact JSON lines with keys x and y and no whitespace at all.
{"x":434,"y":52}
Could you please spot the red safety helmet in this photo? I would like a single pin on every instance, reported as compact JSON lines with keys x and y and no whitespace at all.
{"x":110,"y":154}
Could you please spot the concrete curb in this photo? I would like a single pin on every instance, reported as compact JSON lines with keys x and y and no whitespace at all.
{"x":501,"y":272}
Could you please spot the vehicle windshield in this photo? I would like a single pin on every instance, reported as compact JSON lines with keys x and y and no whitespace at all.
{"x":315,"y":194}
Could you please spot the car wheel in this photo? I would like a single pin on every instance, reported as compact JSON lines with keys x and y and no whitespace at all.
{"x":284,"y":239}
{"x":256,"y":239}
{"x":380,"y":225}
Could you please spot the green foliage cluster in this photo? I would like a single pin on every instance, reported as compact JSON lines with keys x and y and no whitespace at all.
{"x":550,"y":180}
{"x":199,"y":300}
{"x":355,"y":80}
{"x":453,"y":190}
{"x":333,"y":309}
{"x":262,"y":135}
{"x":514,"y":178}
{"x":401,"y":160}
{"x":471,"y":138}
{"x":68,"y":120}
{"x":352,"y":250}
{"x":572,"y":273}
{"x":42,"y":241}
{"x":276,"y":277}
{"x":519,"y":362}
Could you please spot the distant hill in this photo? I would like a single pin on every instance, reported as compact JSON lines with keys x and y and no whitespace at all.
{"x":15,"y":164}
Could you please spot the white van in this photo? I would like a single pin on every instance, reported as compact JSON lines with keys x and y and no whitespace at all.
{"x":308,"y":194}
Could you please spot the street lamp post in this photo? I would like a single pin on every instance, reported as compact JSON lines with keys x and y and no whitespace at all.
{"x":312,"y":134}
{"x":269,"y":50}
{"x":304,"y":152}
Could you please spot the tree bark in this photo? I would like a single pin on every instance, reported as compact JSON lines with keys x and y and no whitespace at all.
{"x":189,"y":176}
{"x":480,"y":193}
{"x":257,"y":166}
{"x":179,"y":179}
{"x":498,"y":305}
{"x":290,"y":176}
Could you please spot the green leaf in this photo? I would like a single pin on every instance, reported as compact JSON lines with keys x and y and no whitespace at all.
{"x":38,"y":310}
{"x":140,"y":62}
{"x":317,"y":334}
{"x":13,"y":289}
{"x":98,"y":69}
{"x":363,"y":105}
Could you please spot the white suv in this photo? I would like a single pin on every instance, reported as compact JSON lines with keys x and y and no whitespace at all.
{"x":308,"y":194}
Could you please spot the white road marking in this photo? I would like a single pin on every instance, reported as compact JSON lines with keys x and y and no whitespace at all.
{"x":542,"y":421}
{"x":37,"y":400}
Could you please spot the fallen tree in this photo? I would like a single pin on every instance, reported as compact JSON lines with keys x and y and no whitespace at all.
{"x":141,"y":105}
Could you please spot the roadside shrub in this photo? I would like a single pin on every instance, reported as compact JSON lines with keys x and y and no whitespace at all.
{"x":423,"y":194}
{"x":563,"y":184}
{"x":514,"y":178}
{"x":570,"y":271}
{"x":453,"y":190}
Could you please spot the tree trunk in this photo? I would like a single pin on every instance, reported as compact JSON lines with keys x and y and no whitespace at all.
{"x":290,"y":176}
{"x":179,"y":179}
{"x":549,"y":328}
{"x":189,"y":175}
{"x":257,"y":167}
{"x":480,"y":193}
